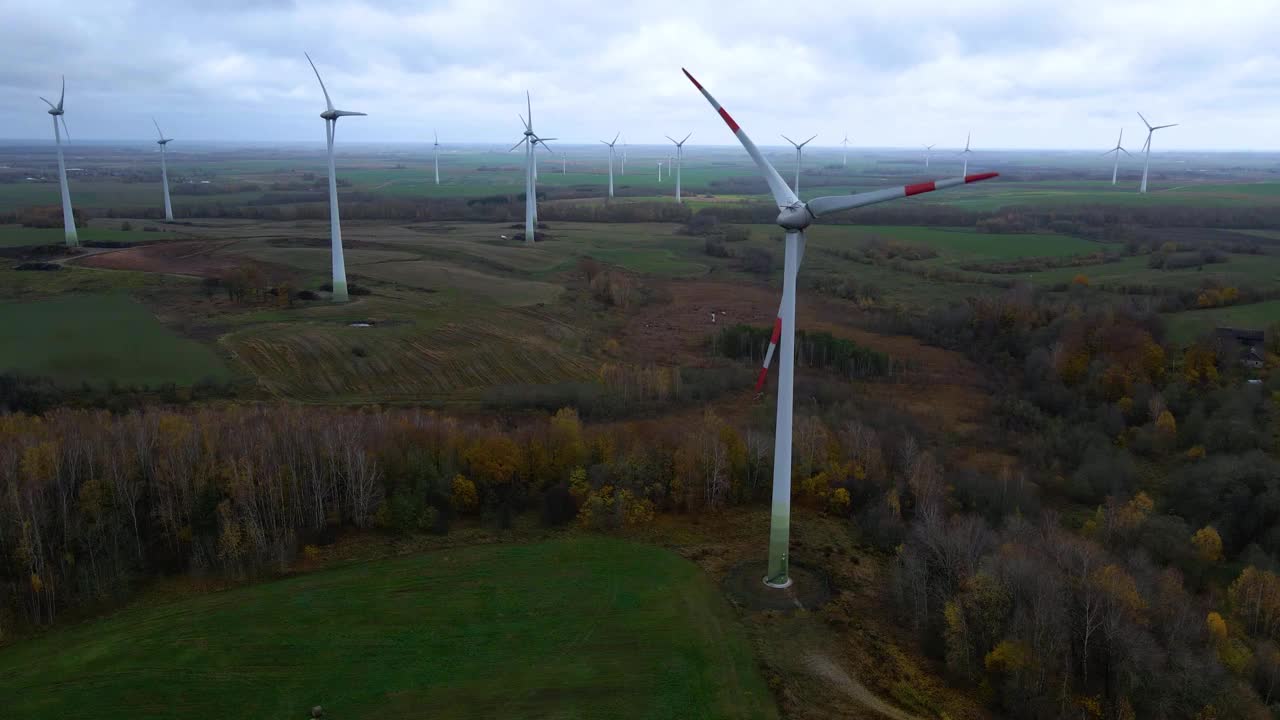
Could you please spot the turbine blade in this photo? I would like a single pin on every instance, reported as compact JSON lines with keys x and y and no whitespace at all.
{"x":793,"y":142}
{"x":825,"y":205}
{"x":158,"y":130}
{"x":1126,"y":152}
{"x":524,"y":122}
{"x":1109,"y":152}
{"x":671,"y":139}
{"x":63,"y":95}
{"x":522,"y":141}
{"x":1161,"y":127}
{"x":328,"y":104}
{"x":967,"y":138}
{"x":686,"y":137}
{"x":615,"y":138}
{"x":782,"y":194}
{"x":547,"y":147}
{"x":1144,"y":121}
{"x":529,"y":107}
{"x":806,"y":142}
{"x":64,"y":127}
{"x":345,"y":113}
{"x":51,"y":105}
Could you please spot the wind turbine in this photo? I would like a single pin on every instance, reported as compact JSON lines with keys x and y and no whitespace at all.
{"x":679,"y":158}
{"x":435,"y":154}
{"x":68,"y":217}
{"x":564,"y":165}
{"x":966,"y":152}
{"x":659,"y":171}
{"x":611,"y":144}
{"x":1146,"y":163}
{"x":624,"y":158}
{"x":331,"y":116}
{"x":799,"y":156}
{"x":927,"y":149}
{"x":530,"y":142}
{"x":1117,"y":150}
{"x":794,"y":216}
{"x":845,"y":142}
{"x":163,"y":142}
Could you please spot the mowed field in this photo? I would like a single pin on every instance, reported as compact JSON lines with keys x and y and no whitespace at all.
{"x":1186,"y":327}
{"x":100,"y":338}
{"x":565,"y":629}
{"x":18,"y":236}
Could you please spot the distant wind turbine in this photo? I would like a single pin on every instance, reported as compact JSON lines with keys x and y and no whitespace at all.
{"x":845,"y":142}
{"x":1146,"y":163}
{"x":927,"y":149}
{"x":679,"y":162}
{"x":966,"y":152}
{"x":610,"y":144}
{"x":799,"y":158}
{"x":564,"y":165}
{"x":1117,"y":150}
{"x":163,"y":142}
{"x":68,"y":217}
{"x":659,"y":171}
{"x":435,"y":154}
{"x":530,"y":142}
{"x":624,"y":158}
{"x":331,"y":116}
{"x":794,"y":216}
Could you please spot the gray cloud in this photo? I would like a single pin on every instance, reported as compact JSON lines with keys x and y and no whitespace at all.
{"x":1019,"y":73}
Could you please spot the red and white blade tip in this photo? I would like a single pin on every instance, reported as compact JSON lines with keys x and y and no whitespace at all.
{"x":724,"y":115}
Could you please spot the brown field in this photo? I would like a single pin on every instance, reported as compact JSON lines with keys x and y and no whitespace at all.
{"x":194,"y":258}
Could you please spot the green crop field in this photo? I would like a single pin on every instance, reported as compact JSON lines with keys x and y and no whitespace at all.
{"x":1185,"y":327}
{"x":99,"y":338}
{"x":17,"y":236}
{"x":1257,"y":271}
{"x":573,"y":628}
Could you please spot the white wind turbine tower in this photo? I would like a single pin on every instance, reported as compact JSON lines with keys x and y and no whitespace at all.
{"x":659,"y":171}
{"x":610,"y":144}
{"x":331,"y":116}
{"x":435,"y":154}
{"x":927,"y":149}
{"x":679,"y":161}
{"x":163,"y":142}
{"x":966,"y":152}
{"x":845,"y":142}
{"x":530,"y":142}
{"x":624,"y":158}
{"x":1117,"y":150}
{"x":794,"y":216}
{"x":68,"y":217}
{"x":799,"y":157}
{"x":1146,"y":163}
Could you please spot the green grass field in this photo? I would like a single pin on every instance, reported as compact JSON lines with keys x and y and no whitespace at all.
{"x":98,"y":338}
{"x":1186,"y":327}
{"x":573,"y":628}
{"x":17,"y":236}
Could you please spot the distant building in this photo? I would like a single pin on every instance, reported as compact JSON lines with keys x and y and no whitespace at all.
{"x":1246,"y":345}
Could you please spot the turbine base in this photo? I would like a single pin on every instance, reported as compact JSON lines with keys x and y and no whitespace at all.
{"x":779,"y":586}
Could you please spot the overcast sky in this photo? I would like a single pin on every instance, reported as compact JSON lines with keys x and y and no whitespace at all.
{"x":1020,"y":73}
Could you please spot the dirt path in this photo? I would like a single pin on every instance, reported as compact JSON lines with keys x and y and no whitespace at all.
{"x":826,"y":668}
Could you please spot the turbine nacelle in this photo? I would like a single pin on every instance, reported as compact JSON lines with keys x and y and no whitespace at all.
{"x":795,"y":217}
{"x":335,"y":114}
